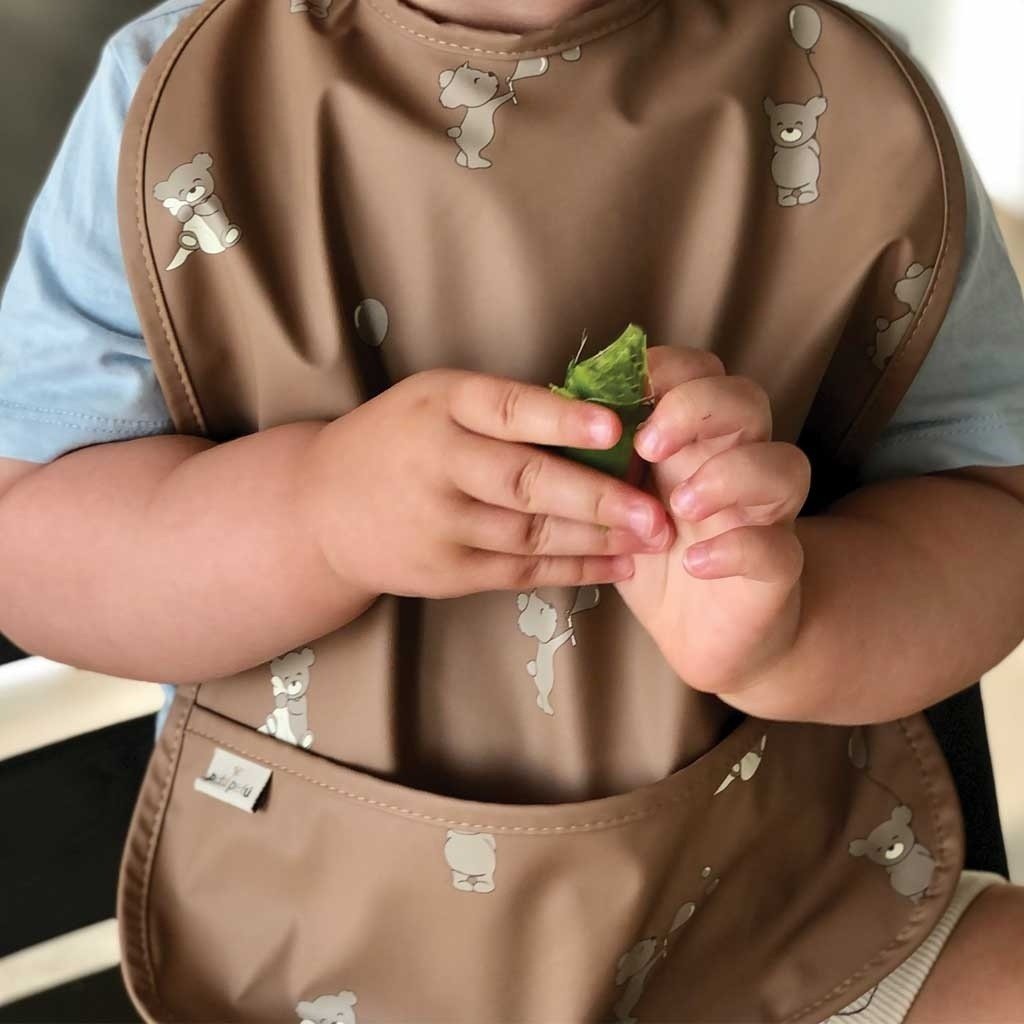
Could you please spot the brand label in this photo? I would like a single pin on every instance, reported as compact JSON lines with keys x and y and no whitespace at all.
{"x":234,"y":780}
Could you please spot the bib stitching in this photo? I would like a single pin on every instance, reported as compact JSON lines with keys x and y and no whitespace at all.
{"x":140,"y":217}
{"x":566,"y":44}
{"x":918,"y":914}
{"x":941,"y":264}
{"x":156,"y":830}
{"x":586,"y":826}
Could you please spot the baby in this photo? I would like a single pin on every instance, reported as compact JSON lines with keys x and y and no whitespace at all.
{"x":201,"y":554}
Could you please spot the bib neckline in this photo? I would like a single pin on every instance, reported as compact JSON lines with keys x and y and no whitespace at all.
{"x":603,"y":20}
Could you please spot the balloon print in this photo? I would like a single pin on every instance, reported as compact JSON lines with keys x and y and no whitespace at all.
{"x":586,"y":599}
{"x":372,"y":322}
{"x":529,"y":68}
{"x":805,"y":24}
{"x":858,"y":749}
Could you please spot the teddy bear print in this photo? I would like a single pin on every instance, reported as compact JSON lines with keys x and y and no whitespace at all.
{"x":189,"y":194}
{"x":329,"y":1009}
{"x":318,"y":8}
{"x":746,"y":768}
{"x":892,"y":845}
{"x":634,"y":968}
{"x":479,"y":92}
{"x":910,"y":290}
{"x":539,"y":621}
{"x":289,"y":721}
{"x":796,"y":165}
{"x":472,"y":857}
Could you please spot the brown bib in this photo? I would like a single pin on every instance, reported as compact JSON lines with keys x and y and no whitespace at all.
{"x":507,"y":808}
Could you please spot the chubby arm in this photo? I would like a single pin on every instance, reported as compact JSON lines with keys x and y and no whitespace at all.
{"x":167,"y":558}
{"x":902,"y":594}
{"x":911,"y":590}
{"x":174,"y":558}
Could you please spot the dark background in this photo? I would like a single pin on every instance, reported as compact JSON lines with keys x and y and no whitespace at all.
{"x":71,"y":801}
{"x":48,"y":51}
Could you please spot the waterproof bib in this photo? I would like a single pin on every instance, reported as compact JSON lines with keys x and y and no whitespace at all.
{"x":506,"y":807}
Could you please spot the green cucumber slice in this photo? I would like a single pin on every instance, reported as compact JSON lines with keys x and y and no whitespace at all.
{"x":617,"y":378}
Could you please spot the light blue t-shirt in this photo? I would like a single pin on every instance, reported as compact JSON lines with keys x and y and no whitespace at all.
{"x":74,"y":370}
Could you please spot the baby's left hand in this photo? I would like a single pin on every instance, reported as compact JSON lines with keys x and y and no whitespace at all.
{"x":723,"y":600}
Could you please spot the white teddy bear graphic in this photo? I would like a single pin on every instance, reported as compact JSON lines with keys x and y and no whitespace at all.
{"x":289,"y":721}
{"x":633,"y":970}
{"x":539,"y":620}
{"x":911,"y":291}
{"x":472,"y":857}
{"x":189,"y":195}
{"x":329,"y":1009}
{"x":635,"y":967}
{"x":478,"y":91}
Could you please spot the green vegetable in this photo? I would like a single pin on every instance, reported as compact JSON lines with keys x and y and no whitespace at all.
{"x":616,"y":378}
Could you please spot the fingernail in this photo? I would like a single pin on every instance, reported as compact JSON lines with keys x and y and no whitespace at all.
{"x":657,"y":543}
{"x":641,"y":521}
{"x":684,"y":501}
{"x":623,"y":567}
{"x":698,"y":557}
{"x":649,"y":438}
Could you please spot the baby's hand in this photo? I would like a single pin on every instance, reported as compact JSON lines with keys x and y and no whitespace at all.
{"x":724,"y":600}
{"x":436,"y":489}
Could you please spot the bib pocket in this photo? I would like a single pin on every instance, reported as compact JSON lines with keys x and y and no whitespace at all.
{"x":424,"y":908}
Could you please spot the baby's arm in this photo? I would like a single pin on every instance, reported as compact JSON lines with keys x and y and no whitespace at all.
{"x":929,"y":569}
{"x":176,"y":559}
{"x":911,"y":590}
{"x":904,"y":593}
{"x":167,"y":557}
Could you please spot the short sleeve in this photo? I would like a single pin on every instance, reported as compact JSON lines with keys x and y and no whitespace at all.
{"x":966,"y":405}
{"x":74,"y":370}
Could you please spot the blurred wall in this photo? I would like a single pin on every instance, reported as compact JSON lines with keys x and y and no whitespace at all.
{"x":974,"y":49}
{"x":48,"y":50}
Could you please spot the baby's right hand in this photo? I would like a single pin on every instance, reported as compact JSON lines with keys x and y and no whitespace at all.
{"x":435,"y":489}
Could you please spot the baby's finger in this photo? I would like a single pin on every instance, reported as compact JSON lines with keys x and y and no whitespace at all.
{"x":525,"y":413}
{"x":768,"y":483}
{"x":669,"y":367}
{"x":702,"y":409}
{"x":527,"y":479}
{"x":501,"y":530}
{"x":766,"y":554}
{"x":489,"y":571}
